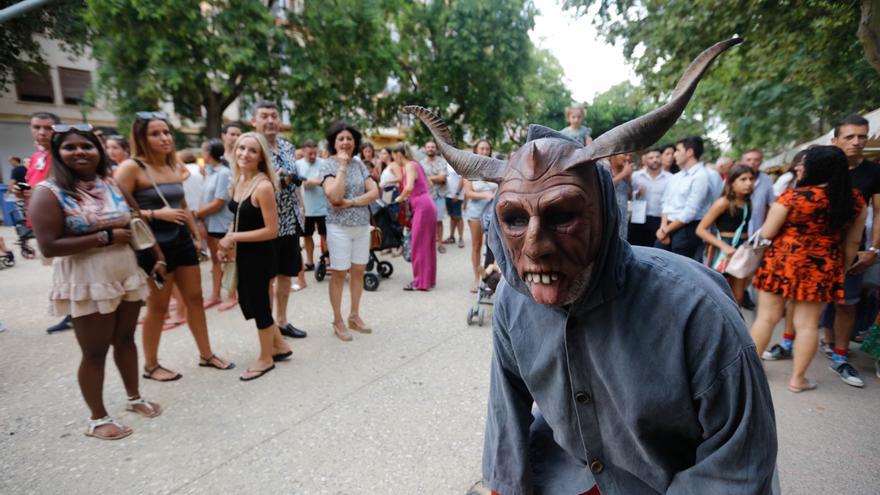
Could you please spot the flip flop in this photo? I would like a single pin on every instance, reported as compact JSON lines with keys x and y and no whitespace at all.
{"x":148,"y":374}
{"x":259,"y":373}
{"x":209,"y":363}
{"x":811,"y":385}
{"x":211,"y":303}
{"x":226,"y":306}
{"x":449,"y":240}
{"x":172,"y":324}
{"x":461,"y":244}
{"x":408,"y":286}
{"x":155,"y":409}
{"x":283,"y":356}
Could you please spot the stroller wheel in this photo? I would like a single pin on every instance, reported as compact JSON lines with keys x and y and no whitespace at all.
{"x":320,"y":271}
{"x":385,"y":269}
{"x":481,"y":316}
{"x":470,"y":317}
{"x":371,"y":281}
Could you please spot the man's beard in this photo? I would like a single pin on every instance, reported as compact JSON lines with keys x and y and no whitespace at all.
{"x":579,"y":286}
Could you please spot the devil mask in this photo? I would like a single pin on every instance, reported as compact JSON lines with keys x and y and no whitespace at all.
{"x":549,"y":204}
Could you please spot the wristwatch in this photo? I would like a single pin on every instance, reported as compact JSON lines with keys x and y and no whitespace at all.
{"x":874,"y":250}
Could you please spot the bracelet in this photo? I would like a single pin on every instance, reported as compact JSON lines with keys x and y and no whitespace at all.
{"x":160,"y":262}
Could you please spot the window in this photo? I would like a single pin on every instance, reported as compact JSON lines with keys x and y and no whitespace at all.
{"x":74,"y":84}
{"x":34,"y":85}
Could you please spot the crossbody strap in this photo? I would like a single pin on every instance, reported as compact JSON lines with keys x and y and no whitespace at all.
{"x":739,"y":230}
{"x":152,"y":181}
{"x":246,"y":197}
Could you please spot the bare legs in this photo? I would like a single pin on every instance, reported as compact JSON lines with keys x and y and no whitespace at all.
{"x":844,"y":323}
{"x":806,"y":321}
{"x":738,"y":287}
{"x":771,"y":307}
{"x":356,"y":286}
{"x":95,"y":333}
{"x":282,"y":296}
{"x":216,"y":269}
{"x":476,"y":229}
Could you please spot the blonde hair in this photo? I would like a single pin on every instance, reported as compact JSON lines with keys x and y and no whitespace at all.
{"x":141,"y":149}
{"x":265,"y":165}
{"x":405,"y":150}
{"x":571,"y":110}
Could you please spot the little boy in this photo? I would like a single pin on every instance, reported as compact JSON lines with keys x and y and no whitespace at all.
{"x":575,"y":116}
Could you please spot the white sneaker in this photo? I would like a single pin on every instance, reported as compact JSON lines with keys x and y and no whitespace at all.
{"x":848,"y":374}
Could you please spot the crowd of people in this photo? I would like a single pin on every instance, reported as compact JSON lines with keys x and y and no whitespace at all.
{"x":256,"y":201}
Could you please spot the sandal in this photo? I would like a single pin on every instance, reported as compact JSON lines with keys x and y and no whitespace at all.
{"x":449,"y":240}
{"x":352,"y":324}
{"x":210,"y":303}
{"x":343,"y":334}
{"x":282,"y":356}
{"x":441,"y":248}
{"x":149,"y":374}
{"x":172,"y":324}
{"x":259,"y":373}
{"x":226,"y":306}
{"x":154,"y":408}
{"x":94,"y":424}
{"x":461,"y":243}
{"x":209,"y":363}
{"x":811,"y":385}
{"x":409,"y":286}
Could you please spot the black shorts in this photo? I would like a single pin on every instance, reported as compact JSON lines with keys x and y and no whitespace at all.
{"x":288,"y":255}
{"x":178,"y":252}
{"x":311,"y":222}
{"x":217,"y":235}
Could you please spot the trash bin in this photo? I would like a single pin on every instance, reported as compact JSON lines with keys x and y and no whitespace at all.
{"x":8,"y":204}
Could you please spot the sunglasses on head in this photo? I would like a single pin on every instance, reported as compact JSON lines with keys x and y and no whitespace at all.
{"x":62,"y":128}
{"x":151,"y":115}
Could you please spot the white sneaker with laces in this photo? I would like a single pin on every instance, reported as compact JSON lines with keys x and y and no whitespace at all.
{"x":848,"y":374}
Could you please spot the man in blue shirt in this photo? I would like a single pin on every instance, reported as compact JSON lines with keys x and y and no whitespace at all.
{"x":315,"y":200}
{"x":685,"y":201}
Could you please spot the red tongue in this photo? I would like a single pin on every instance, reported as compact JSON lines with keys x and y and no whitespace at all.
{"x":545,"y":294}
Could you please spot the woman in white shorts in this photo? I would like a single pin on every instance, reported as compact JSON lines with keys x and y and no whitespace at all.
{"x":479,"y":195}
{"x":350,"y":190}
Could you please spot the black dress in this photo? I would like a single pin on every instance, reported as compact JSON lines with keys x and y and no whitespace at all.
{"x":256,"y":267}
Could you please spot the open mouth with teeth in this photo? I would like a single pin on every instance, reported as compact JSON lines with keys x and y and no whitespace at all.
{"x":544,"y":286}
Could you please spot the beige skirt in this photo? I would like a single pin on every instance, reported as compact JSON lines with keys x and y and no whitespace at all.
{"x":96,"y":281}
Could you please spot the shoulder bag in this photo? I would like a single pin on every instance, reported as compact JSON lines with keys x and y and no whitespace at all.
{"x":745,"y":261}
{"x":715,"y":258}
{"x":142,"y":237}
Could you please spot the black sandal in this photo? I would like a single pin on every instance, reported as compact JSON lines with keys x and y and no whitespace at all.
{"x":409,"y":286}
{"x":207,"y":363}
{"x":259,"y":373}
{"x":283,"y":356}
{"x":148,"y":374}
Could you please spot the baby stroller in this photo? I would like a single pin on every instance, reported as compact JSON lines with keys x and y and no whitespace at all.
{"x":490,"y":278}
{"x":24,"y":233}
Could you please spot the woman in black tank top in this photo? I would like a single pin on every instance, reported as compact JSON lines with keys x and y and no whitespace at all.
{"x":153,"y":177}
{"x":726,"y":225}
{"x":252,"y":233}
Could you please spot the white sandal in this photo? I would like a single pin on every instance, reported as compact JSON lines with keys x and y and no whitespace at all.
{"x":140,"y":401}
{"x":107,"y":420}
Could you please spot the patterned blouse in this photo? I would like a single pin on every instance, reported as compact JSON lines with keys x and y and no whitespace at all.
{"x":100,"y":205}
{"x":356,"y":178}
{"x":290,"y":220}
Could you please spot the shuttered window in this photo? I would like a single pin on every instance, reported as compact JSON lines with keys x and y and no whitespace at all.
{"x":34,"y":85}
{"x":74,"y":84}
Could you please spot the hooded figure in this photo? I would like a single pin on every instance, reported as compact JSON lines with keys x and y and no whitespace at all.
{"x":642,"y":371}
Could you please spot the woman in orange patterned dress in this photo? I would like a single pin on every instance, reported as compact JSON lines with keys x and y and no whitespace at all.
{"x":816,"y":229}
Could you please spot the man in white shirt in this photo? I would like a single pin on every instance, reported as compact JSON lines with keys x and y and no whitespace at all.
{"x":686,"y":199}
{"x":454,"y":201}
{"x":649,"y":183}
{"x":762,"y":193}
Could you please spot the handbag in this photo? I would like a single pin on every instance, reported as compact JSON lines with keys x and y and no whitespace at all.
{"x":745,"y":261}
{"x":141,"y":234}
{"x":230,"y":268}
{"x":714,"y":257}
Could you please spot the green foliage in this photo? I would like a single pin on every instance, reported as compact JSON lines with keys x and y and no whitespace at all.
{"x":200,"y":55}
{"x":543,"y":98}
{"x":467,"y":59}
{"x":800,"y":68}
{"x":19,"y":49}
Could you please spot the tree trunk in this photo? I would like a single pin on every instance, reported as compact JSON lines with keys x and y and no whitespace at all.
{"x":869,"y":32}
{"x":213,"y":117}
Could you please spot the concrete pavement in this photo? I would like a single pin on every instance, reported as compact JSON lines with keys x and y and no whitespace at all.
{"x":396,"y":412}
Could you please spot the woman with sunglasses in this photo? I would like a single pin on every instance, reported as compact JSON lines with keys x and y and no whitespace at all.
{"x":80,"y":218}
{"x":155,"y":179}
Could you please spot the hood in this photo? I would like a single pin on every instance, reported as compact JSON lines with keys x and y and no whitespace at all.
{"x":609,"y":266}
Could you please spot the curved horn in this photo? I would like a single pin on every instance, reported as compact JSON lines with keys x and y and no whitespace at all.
{"x":468,"y":165}
{"x":646,"y":130}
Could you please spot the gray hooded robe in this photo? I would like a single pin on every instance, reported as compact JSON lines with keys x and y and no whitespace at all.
{"x":649,"y":383}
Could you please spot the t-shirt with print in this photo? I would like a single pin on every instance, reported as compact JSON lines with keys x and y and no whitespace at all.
{"x":314,"y":197}
{"x":866,"y":178}
{"x":356,"y":178}
{"x":290,"y":221}
{"x":39,"y":165}
{"x":437,"y":167}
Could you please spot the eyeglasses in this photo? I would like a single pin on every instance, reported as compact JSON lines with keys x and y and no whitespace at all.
{"x":151,"y":115}
{"x":62,"y":128}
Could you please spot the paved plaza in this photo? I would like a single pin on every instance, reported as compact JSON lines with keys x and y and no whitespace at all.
{"x":400,"y":411}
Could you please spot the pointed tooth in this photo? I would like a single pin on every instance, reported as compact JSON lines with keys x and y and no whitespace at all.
{"x":545,"y":278}
{"x":554,"y":276}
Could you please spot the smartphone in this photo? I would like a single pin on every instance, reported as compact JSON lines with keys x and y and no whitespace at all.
{"x":158,"y":279}
{"x":23,"y":186}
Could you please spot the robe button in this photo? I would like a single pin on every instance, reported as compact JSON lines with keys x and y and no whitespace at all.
{"x":582,"y":397}
{"x":596,"y":467}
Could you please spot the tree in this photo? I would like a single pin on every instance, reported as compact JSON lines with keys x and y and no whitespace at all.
{"x":19,"y":48}
{"x":800,"y":69}
{"x":542,"y":100}
{"x":467,"y":59}
{"x":200,"y":55}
